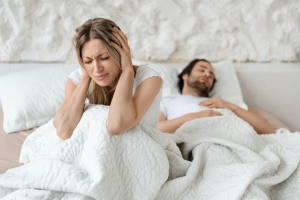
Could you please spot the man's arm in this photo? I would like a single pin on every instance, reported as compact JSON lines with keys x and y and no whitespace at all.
{"x":170,"y":126}
{"x":260,"y":125}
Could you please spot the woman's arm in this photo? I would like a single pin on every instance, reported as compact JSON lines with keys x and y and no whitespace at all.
{"x":70,"y":112}
{"x":126,"y":110}
{"x":260,"y":125}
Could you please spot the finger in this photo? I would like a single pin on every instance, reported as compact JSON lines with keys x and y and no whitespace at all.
{"x":120,"y":33}
{"x":211,"y":106}
{"x":217,"y":113}
{"x":118,"y":38}
{"x":205,"y":103}
{"x":124,"y":45}
{"x":214,"y":114}
{"x":117,"y":47}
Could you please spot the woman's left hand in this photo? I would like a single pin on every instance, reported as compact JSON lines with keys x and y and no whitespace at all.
{"x":123,"y":50}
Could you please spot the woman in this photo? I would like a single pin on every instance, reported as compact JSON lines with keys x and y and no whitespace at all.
{"x":108,"y":77}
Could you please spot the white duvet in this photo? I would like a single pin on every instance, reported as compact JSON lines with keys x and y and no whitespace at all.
{"x":229,"y":161}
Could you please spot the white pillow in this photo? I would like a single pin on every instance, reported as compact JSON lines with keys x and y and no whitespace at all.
{"x":31,"y":98}
{"x":227,"y":86}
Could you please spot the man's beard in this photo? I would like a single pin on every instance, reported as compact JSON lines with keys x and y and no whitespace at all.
{"x":200,"y":88}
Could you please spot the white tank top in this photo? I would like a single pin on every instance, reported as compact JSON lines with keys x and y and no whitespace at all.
{"x":142,"y":73}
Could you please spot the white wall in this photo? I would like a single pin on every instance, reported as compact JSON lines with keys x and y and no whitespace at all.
{"x":265,"y":30}
{"x":170,"y":30}
{"x":273,"y":87}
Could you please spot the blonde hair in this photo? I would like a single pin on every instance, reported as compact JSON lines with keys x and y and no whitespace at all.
{"x":98,"y":28}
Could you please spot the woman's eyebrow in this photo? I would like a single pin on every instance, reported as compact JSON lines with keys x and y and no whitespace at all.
{"x":95,"y":56}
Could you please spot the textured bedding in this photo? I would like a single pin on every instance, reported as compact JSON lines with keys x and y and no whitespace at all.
{"x":10,"y":144}
{"x":92,"y":163}
{"x":231,"y":161}
{"x":228,"y":161}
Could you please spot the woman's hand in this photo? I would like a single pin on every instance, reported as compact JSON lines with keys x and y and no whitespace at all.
{"x":123,"y":50}
{"x":85,"y":75}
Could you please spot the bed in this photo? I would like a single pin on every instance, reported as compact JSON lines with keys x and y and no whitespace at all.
{"x":10,"y":144}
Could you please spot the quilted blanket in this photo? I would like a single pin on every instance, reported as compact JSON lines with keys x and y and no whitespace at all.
{"x":218,"y":158}
{"x":92,"y":164}
{"x":231,"y":161}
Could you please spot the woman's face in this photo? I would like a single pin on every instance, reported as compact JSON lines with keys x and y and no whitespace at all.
{"x":99,"y":64}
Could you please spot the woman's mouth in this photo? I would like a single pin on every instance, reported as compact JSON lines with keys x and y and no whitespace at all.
{"x":101,"y":77}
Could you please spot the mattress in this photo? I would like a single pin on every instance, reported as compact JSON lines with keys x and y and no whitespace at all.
{"x":10,"y":146}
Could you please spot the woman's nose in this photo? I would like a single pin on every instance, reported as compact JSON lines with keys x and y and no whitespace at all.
{"x":98,"y":66}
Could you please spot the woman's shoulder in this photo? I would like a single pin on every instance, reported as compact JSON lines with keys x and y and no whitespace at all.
{"x":76,"y":75}
{"x":144,"y":71}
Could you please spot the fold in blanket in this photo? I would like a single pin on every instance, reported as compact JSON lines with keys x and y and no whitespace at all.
{"x":229,"y":161}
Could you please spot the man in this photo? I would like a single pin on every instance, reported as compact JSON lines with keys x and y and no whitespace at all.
{"x":195,"y":82}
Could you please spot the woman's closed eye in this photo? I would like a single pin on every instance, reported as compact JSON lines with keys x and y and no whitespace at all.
{"x":90,"y":61}
{"x":87,"y":62}
{"x":105,"y":58}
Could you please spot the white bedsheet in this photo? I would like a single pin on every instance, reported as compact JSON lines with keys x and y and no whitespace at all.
{"x":230,"y":161}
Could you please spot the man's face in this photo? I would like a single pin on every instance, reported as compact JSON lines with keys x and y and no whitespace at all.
{"x":201,"y":78}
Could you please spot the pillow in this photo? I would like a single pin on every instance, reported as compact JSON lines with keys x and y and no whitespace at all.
{"x":31,"y":98}
{"x":227,"y":86}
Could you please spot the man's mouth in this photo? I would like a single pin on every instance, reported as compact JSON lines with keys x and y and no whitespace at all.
{"x":203,"y":80}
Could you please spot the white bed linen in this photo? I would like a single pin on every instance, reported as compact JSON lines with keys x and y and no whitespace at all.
{"x":92,"y":163}
{"x":230,"y":161}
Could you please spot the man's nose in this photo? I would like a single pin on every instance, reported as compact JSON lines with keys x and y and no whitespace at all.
{"x":206,"y":74}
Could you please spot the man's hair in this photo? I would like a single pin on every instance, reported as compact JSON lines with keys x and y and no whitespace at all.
{"x":187,"y":70}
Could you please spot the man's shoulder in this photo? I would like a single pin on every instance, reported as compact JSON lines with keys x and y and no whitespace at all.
{"x":171,"y":97}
